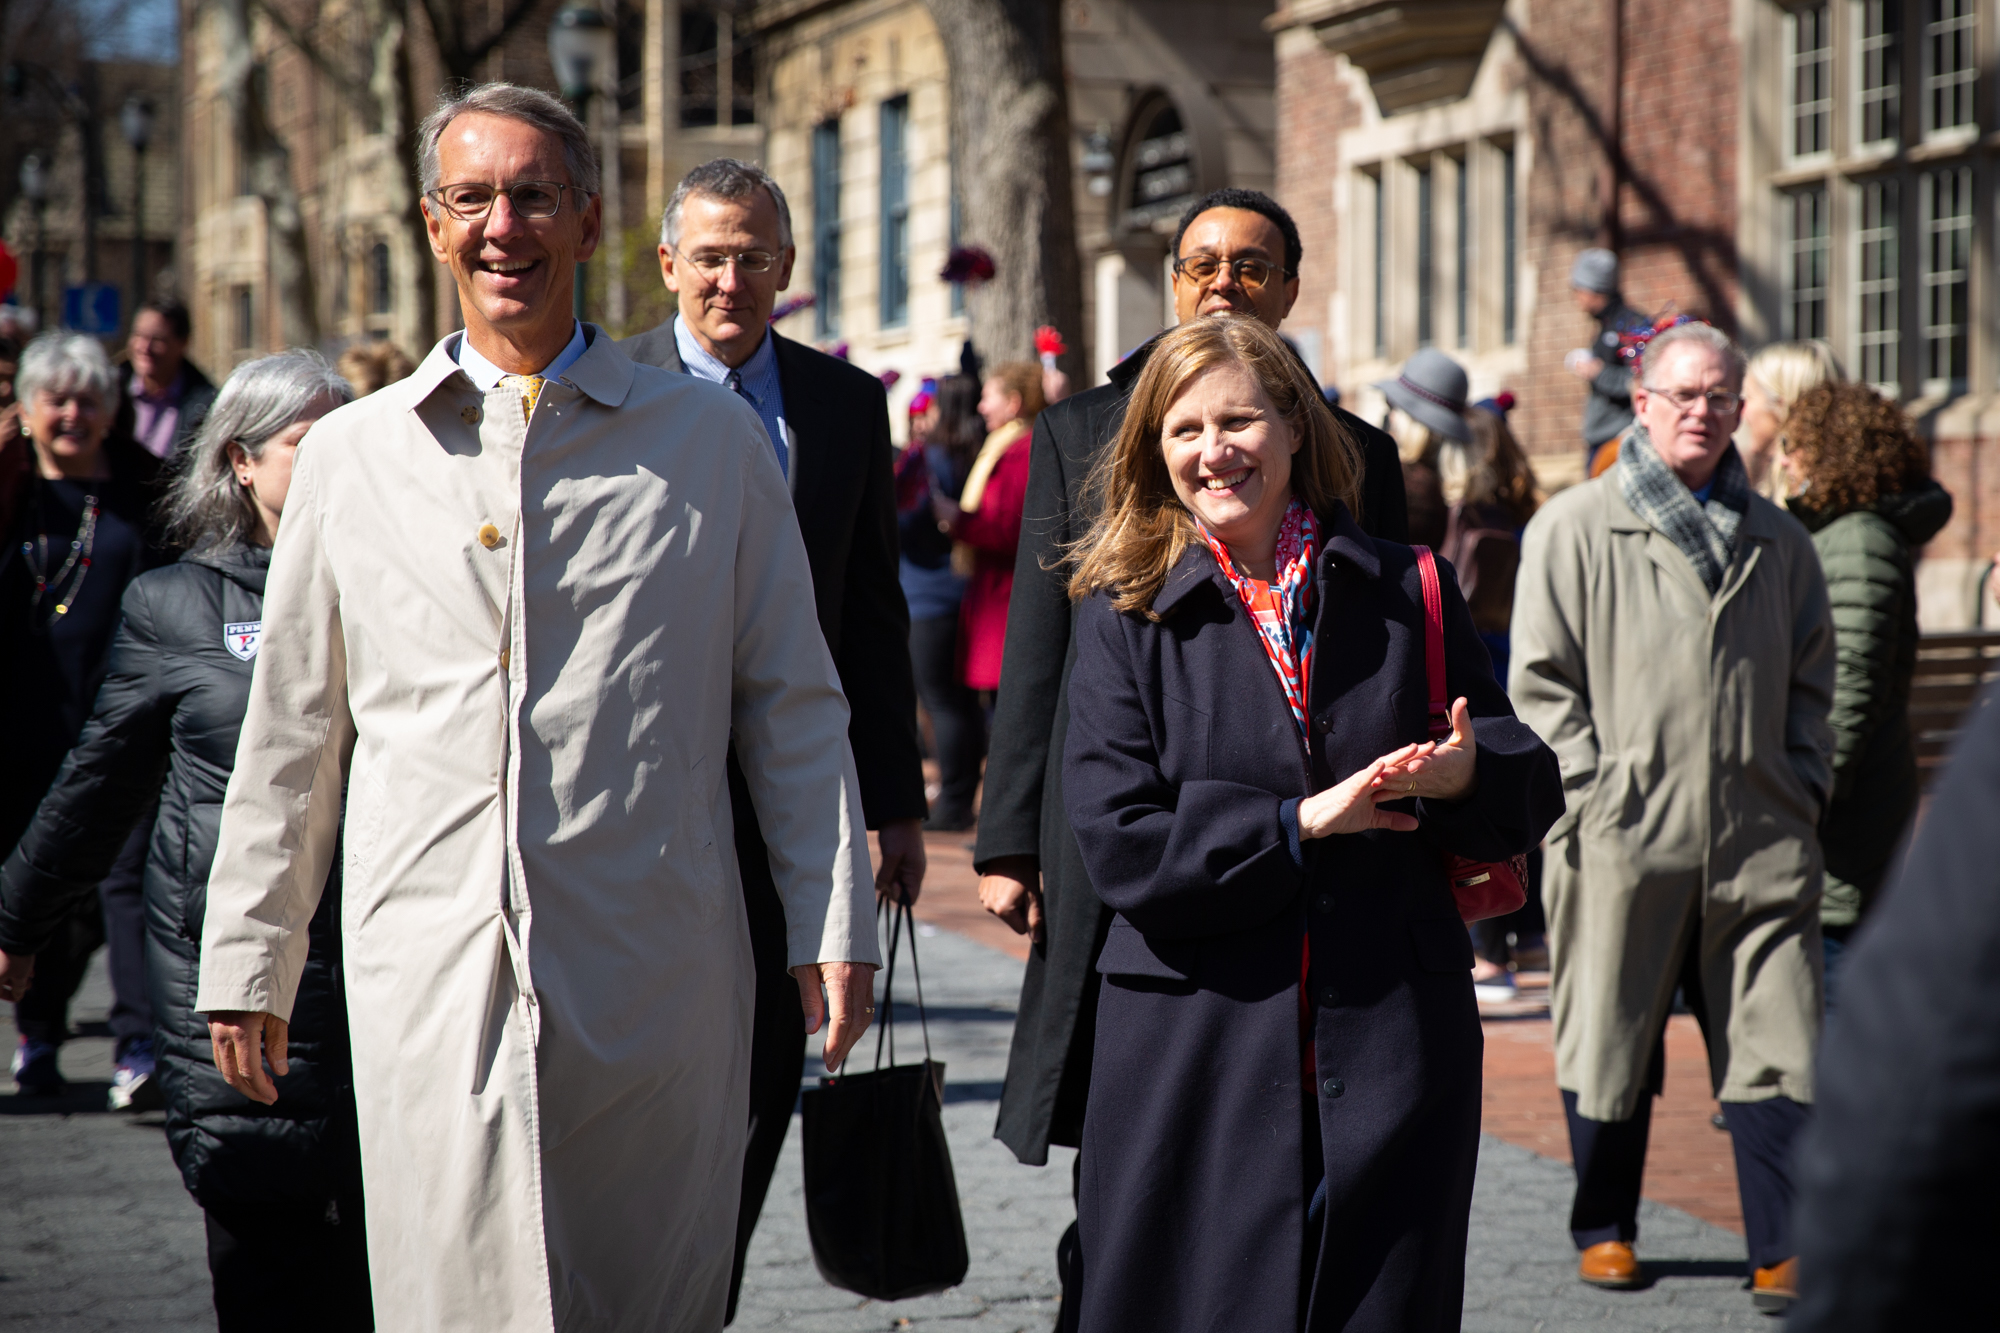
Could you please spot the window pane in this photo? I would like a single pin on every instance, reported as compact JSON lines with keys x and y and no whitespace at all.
{"x":1878,"y":66}
{"x":895,"y":263}
{"x":826,"y":227}
{"x":1426,"y":257}
{"x":1876,"y":286}
{"x":1380,"y":294}
{"x":1808,"y":248}
{"x":1950,"y":71}
{"x":1945,"y":206}
{"x":1811,"y":60}
{"x":1509,"y":299}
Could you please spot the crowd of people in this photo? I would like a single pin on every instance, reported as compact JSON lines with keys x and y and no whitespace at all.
{"x":468,"y":766}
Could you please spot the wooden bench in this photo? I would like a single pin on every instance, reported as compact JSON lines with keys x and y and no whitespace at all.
{"x":1951,"y":669}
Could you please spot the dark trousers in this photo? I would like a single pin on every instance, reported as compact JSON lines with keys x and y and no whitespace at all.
{"x":778,"y":1033}
{"x":957,"y":721}
{"x":115,"y":918}
{"x":304,"y":1272}
{"x":1610,"y":1155}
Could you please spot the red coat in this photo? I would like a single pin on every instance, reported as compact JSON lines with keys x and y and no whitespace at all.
{"x":993,"y":532}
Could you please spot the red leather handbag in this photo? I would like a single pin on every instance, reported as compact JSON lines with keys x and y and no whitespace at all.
{"x":1482,"y":888}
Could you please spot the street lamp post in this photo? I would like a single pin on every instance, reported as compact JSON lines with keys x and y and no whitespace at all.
{"x":35,"y":185}
{"x":583,"y":47}
{"x":135,"y":118}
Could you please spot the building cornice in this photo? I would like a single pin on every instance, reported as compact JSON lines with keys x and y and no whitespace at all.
{"x":1414,"y":52}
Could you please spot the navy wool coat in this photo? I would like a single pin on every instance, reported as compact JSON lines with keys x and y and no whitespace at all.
{"x":1204,"y":1140}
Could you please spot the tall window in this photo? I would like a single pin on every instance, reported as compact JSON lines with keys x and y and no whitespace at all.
{"x":1878,"y":70}
{"x":1877,"y":266}
{"x":1809,"y":53}
{"x":1380,"y":285}
{"x":1945,"y":205}
{"x":826,"y":227}
{"x":1426,"y":258}
{"x":1951,"y":70}
{"x":1462,"y":261}
{"x":895,"y":263}
{"x":1809,"y":246}
{"x":381,"y":280}
{"x":244,"y":308}
{"x":1509,"y":252}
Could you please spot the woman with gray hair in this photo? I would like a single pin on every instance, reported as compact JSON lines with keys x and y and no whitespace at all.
{"x":280,"y":1185}
{"x":76,"y":533}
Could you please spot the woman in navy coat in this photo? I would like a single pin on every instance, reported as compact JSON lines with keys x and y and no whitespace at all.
{"x":1284,"y":1101}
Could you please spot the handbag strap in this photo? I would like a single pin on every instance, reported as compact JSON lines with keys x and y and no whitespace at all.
{"x":1440,"y":710}
{"x":899,"y":914}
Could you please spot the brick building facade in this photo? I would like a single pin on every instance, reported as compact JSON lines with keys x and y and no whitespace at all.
{"x":1817,"y":168}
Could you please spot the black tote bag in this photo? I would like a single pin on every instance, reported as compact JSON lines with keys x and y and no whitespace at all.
{"x":881,"y":1200}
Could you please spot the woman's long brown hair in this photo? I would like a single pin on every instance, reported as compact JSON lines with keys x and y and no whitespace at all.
{"x":1141,"y":529}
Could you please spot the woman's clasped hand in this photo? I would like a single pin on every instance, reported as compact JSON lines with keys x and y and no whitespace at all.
{"x":1435,"y":770}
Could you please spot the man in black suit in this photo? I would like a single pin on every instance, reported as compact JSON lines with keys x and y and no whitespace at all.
{"x":1236,"y":250}
{"x":726,"y":252}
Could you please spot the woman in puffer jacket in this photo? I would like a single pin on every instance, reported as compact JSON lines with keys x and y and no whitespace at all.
{"x":280,"y":1185}
{"x":1861,"y":484}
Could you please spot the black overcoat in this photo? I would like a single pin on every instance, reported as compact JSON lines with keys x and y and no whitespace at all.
{"x":1021,"y":805}
{"x":1182,"y":773}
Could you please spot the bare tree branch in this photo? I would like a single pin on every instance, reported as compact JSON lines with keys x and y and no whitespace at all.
{"x":353,"y":88}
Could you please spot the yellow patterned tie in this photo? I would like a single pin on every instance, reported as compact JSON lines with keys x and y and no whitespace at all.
{"x":530,"y":389}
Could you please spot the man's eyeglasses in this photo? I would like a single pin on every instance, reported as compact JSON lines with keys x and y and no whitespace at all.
{"x":710,"y":263}
{"x":1253,"y":274}
{"x":1720,"y":401}
{"x":530,"y":199}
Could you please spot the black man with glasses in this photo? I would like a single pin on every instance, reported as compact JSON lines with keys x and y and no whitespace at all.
{"x":726,"y":252}
{"x":1673,"y":645}
{"x":1236,"y":251}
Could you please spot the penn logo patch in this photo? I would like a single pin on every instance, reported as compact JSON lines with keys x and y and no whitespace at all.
{"x":241,"y":638}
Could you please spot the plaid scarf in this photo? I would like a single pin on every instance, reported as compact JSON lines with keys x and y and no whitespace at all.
{"x":1282,"y":611}
{"x":1706,"y":534}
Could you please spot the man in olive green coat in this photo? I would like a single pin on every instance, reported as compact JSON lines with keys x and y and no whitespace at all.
{"x":1671,"y":643}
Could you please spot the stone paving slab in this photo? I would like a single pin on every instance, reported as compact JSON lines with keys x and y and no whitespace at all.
{"x":97,"y":1233}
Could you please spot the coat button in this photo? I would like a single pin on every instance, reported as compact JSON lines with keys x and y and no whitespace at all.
{"x":1333,"y":1087}
{"x":1329,"y":997}
{"x":1323,"y":904}
{"x":469,"y":415}
{"x":489,"y":536}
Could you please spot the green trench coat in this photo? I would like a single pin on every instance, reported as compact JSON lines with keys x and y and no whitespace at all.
{"x":1696,"y":757}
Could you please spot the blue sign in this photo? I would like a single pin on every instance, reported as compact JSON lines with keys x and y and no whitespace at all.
{"x":92,"y":308}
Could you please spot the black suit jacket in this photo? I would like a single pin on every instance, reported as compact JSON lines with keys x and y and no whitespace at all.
{"x":1898,"y":1168}
{"x":1021,"y":809}
{"x":843,"y":490}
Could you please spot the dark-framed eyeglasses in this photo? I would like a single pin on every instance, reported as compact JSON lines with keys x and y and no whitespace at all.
{"x":472,"y":200}
{"x":1253,"y":274}
{"x":1720,"y":401}
{"x":711,"y":263}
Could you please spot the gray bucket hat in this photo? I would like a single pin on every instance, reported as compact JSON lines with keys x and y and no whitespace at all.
{"x":1432,"y":389}
{"x":1595,"y":271}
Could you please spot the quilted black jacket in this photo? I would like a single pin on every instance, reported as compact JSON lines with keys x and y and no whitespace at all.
{"x":166,"y":722}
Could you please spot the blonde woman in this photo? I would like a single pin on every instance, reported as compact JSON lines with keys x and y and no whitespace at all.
{"x":1777,"y":375}
{"x":1283,"y":1113}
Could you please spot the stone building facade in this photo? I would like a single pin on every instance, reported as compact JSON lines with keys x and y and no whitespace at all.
{"x":1168,"y":99}
{"x":1818,"y":168}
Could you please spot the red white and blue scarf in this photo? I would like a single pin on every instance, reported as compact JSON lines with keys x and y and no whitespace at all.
{"x":1282,"y":611}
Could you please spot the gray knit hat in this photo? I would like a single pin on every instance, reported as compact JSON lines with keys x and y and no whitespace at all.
{"x":1595,"y":271}
{"x":1432,"y":389}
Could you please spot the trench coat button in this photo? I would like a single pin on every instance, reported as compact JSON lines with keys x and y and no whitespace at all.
{"x":1333,"y":1087}
{"x":489,"y":536}
{"x":503,"y":659}
{"x":1329,"y":997}
{"x":469,"y":415}
{"x":1323,"y":904}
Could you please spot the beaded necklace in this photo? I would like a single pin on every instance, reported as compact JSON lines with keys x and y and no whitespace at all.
{"x":36,"y":553}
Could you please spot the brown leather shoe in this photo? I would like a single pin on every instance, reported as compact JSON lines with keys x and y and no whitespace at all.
{"x":1773,"y":1289}
{"x":1610,"y":1264}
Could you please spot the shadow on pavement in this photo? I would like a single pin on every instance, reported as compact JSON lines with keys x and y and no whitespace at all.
{"x":1658,"y":1270}
{"x":81,"y":1097}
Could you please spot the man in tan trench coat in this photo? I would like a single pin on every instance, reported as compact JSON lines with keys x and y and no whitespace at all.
{"x":1672,"y":644}
{"x":521,"y":603}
